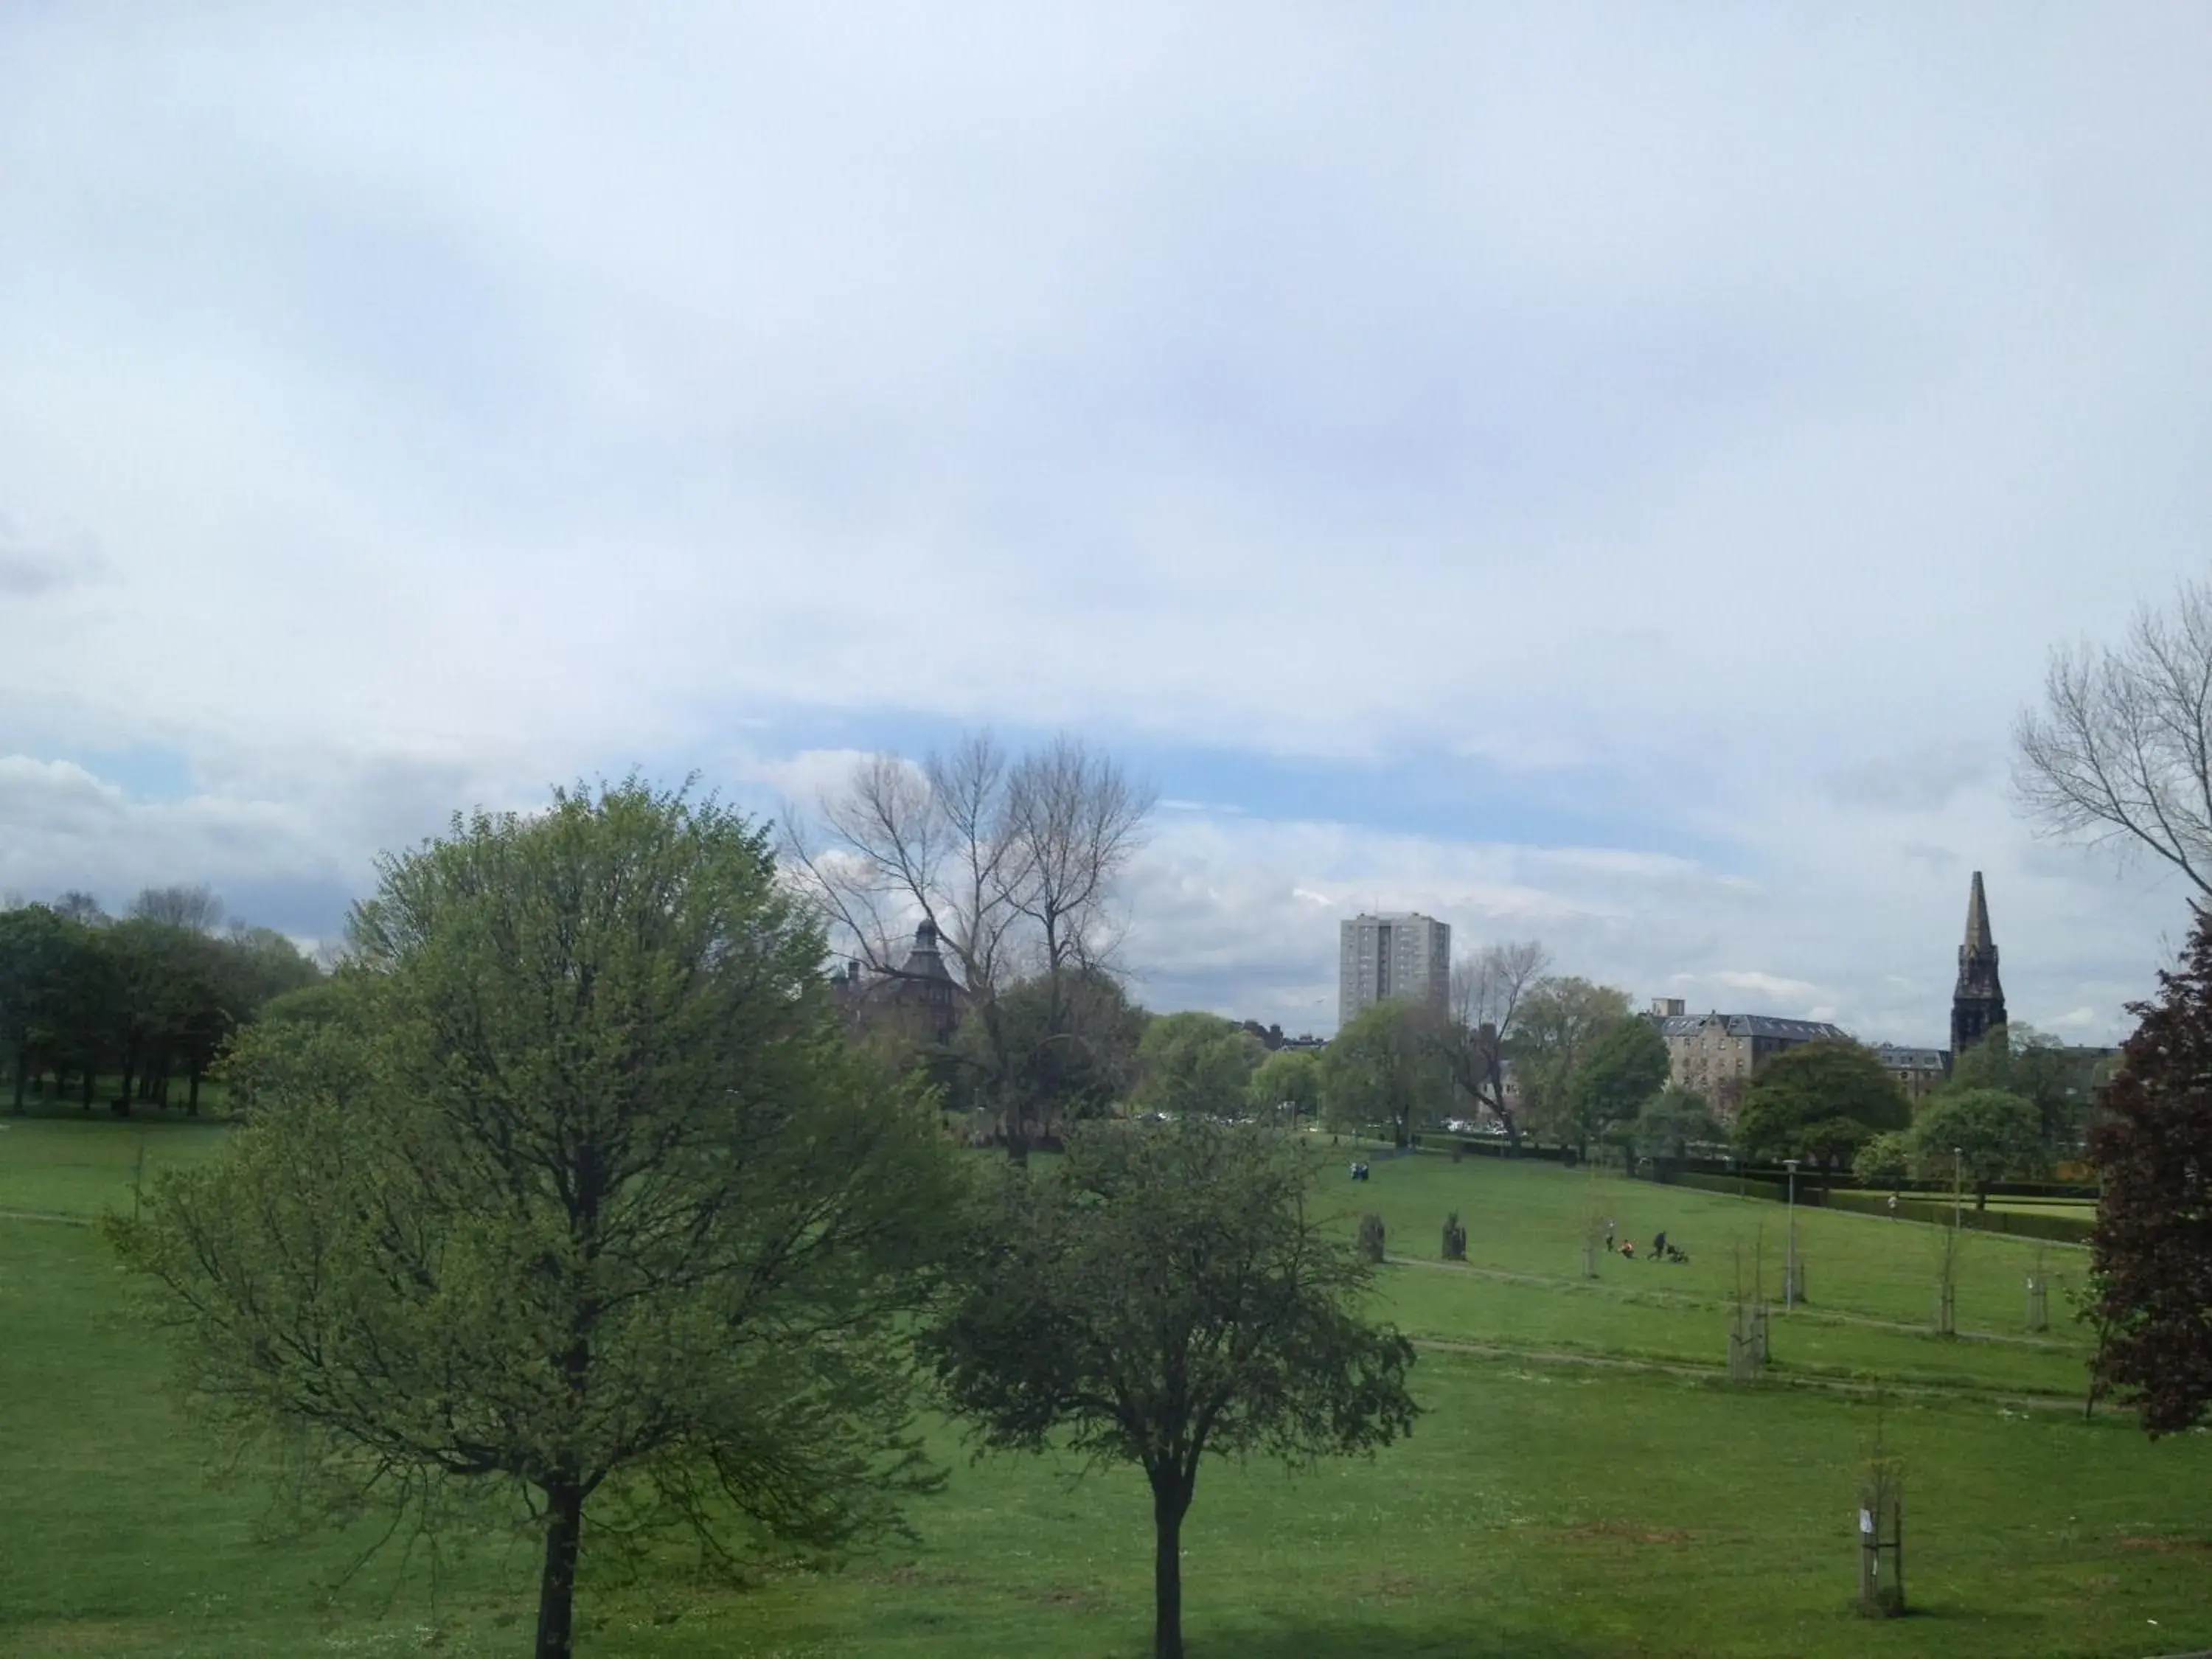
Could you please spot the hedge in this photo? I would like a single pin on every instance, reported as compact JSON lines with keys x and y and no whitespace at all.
{"x":2066,"y":1228}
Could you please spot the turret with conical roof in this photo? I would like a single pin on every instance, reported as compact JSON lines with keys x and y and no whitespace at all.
{"x":1977,"y":1005}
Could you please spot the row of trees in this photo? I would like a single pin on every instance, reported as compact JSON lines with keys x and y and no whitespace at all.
{"x":1583,"y":1064}
{"x":139,"y":1000}
{"x":575,"y":1207}
{"x":2016,"y":1105}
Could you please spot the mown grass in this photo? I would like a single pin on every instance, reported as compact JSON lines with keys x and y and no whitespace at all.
{"x":1541,"y":1508}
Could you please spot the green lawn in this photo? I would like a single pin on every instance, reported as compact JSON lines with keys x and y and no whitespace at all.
{"x":1543,"y":1507}
{"x":75,"y":1166}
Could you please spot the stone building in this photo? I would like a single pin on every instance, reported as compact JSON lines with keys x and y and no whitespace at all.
{"x":919,"y":997}
{"x":1918,"y":1072}
{"x":1717,"y":1054}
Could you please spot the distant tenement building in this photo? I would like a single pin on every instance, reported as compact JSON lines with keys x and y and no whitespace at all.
{"x":1917,"y":1070}
{"x":1399,"y":956}
{"x":1716,"y":1053}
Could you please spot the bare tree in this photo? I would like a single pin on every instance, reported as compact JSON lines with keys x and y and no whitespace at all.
{"x":196,"y":907}
{"x":2121,"y":750}
{"x":80,"y":906}
{"x":1014,"y":862}
{"x":1486,"y":993}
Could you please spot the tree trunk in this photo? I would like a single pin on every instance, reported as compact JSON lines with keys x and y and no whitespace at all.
{"x":22,"y":1073}
{"x":1170,"y":1502}
{"x":192,"y":1092}
{"x":556,"y":1588}
{"x":85,"y":1104}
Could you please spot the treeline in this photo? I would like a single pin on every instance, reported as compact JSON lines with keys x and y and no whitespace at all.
{"x":1586,"y":1072}
{"x":138,"y":1001}
{"x":1546,"y":1054}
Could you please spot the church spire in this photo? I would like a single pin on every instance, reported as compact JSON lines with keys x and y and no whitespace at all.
{"x":1977,"y":1004}
{"x":1977,"y":918}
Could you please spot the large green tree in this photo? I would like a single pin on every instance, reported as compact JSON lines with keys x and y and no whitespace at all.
{"x":1557,"y":1018}
{"x":1622,"y":1066}
{"x":1195,"y":1064}
{"x":1820,"y":1101}
{"x":1673,"y":1120}
{"x":1288,"y":1079}
{"x":588,"y":1206}
{"x":1163,"y":1294}
{"x":1383,"y":1071}
{"x":2152,"y":1248}
{"x":1985,"y":1134}
{"x":1065,"y":1050}
{"x":1884,"y":1160}
{"x":2060,"y":1083}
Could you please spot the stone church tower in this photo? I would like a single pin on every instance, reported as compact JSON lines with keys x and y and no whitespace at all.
{"x":1978,"y":1002}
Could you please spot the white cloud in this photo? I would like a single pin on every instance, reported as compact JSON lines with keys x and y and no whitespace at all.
{"x":1773,"y":988}
{"x":1704,"y":431}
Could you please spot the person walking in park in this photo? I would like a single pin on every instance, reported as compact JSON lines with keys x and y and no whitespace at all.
{"x":1658,"y":1246}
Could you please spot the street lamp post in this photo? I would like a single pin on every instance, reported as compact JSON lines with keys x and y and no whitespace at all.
{"x":1789,"y":1260}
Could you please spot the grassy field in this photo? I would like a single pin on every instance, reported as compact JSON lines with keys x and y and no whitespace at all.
{"x":1582,"y":1484}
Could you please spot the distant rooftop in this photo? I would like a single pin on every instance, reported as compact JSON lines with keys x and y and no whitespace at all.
{"x":1900,"y":1057}
{"x":1754,"y":1025}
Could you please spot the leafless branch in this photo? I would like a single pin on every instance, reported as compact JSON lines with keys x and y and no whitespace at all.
{"x":1014,"y":860}
{"x":2120,"y":753}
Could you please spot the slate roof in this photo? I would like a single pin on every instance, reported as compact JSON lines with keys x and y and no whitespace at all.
{"x":1900,"y":1058}
{"x":1754,"y":1025}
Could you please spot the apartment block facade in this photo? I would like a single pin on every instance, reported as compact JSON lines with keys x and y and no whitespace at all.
{"x":1398,"y":956}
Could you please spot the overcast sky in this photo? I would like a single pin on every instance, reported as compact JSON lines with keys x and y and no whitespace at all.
{"x":1607,"y":474}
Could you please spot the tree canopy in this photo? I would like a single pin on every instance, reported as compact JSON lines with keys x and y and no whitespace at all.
{"x":1195,"y":1064}
{"x":1987,"y":1135}
{"x":1622,"y":1066}
{"x":1820,"y":1101}
{"x":2152,"y":1248}
{"x":1884,"y":1160}
{"x":585,"y":1201}
{"x":1288,"y":1078}
{"x":1065,"y":1047}
{"x":1557,"y":1017}
{"x":1162,"y":1295}
{"x":2058,"y":1082}
{"x":1673,"y":1120}
{"x":1382,"y":1071}
{"x":139,"y":1000}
